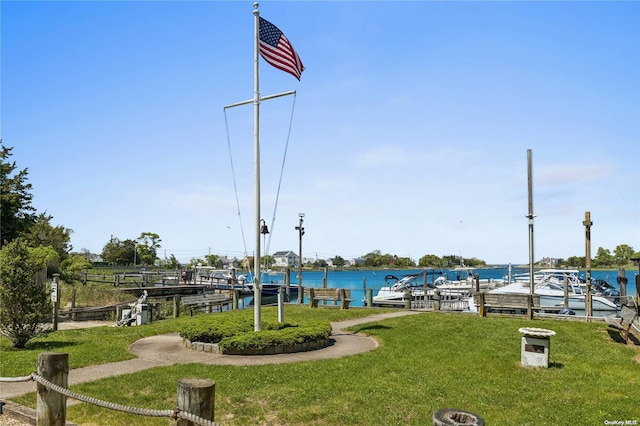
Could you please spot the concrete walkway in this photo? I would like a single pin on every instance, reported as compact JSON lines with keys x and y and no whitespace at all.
{"x":168,"y":349}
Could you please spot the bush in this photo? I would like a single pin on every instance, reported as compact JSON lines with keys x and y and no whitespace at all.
{"x":286,"y":337}
{"x":234,"y":333}
{"x":25,"y":306}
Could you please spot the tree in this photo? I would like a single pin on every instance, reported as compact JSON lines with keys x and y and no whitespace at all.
{"x":147,"y":248}
{"x":71,"y":268}
{"x":622,"y":254}
{"x":42,"y":233}
{"x":25,"y":306}
{"x":603,"y":257}
{"x":338,"y":262}
{"x":16,"y":212}
{"x":172,"y":262}
{"x":430,"y":260}
{"x":320,"y":263}
{"x":213,"y":260}
{"x":576,"y":261}
{"x":118,"y":252}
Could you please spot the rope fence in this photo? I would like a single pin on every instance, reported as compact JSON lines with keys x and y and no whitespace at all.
{"x":184,"y":387}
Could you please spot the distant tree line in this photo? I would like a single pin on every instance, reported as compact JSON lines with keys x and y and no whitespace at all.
{"x":621,"y":257}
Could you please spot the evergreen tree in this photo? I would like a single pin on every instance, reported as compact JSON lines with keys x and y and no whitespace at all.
{"x":17,"y":214}
{"x":25,"y":305}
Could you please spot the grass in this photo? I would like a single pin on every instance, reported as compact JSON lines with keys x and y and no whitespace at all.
{"x":424,"y":363}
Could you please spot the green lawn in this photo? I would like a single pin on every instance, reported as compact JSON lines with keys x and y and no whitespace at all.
{"x":424,"y":363}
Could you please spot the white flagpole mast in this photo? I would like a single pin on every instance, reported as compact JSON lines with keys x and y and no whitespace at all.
{"x":257,"y":284}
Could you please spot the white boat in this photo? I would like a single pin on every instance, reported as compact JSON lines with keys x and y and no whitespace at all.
{"x":410,"y":286}
{"x":549,"y":284}
{"x":465,"y":282}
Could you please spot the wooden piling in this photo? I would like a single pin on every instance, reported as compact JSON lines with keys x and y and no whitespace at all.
{"x":197,"y":397}
{"x":622,"y":282}
{"x":176,"y":306}
{"x":51,"y":405}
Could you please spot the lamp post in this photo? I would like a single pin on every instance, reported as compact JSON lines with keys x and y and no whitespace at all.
{"x":300,"y":230}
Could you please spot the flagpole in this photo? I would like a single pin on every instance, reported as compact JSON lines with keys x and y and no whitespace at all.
{"x":257,"y":285}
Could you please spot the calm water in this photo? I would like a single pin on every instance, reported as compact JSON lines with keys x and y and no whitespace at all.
{"x":374,"y":279}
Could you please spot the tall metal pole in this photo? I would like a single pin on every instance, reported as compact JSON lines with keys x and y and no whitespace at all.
{"x":530,"y":216}
{"x":300,"y":234}
{"x":257,"y":285}
{"x":587,"y":228}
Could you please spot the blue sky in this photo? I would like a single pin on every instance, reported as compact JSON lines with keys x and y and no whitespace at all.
{"x":410,"y":130}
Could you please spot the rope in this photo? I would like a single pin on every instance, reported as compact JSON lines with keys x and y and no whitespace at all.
{"x":284,"y":157}
{"x":174,"y":414}
{"x":17,"y":379}
{"x":235,"y":186}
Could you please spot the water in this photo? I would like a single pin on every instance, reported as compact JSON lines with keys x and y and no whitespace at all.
{"x":374,"y":279}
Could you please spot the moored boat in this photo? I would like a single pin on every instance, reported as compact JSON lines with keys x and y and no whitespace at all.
{"x":549,"y":284}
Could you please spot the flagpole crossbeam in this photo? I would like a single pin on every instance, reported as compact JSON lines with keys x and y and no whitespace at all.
{"x":264,"y":98}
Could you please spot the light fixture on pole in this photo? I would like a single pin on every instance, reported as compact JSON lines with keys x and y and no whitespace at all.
{"x":264,"y":231}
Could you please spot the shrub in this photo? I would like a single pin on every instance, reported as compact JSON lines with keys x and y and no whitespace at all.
{"x":234,"y":333}
{"x":25,"y":306}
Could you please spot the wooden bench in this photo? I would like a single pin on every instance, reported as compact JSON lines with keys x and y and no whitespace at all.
{"x":204,"y":300}
{"x":334,"y":295}
{"x":506,"y":301}
{"x":623,"y":324}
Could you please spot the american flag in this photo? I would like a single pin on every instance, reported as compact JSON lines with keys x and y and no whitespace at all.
{"x":276,"y":49}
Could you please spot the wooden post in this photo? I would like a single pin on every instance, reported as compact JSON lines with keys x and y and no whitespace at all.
{"x":587,"y":227}
{"x":176,"y":306}
{"x":364,"y":291}
{"x":50,"y":405}
{"x":324,"y":283}
{"x":311,"y":295}
{"x":300,"y":294}
{"x":407,"y":299}
{"x":530,"y":306}
{"x":369,"y":297}
{"x":324,"y":277}
{"x":287,"y":282}
{"x":622,"y":282}
{"x":566,"y":292}
{"x":481,"y":309}
{"x":197,"y":397}
{"x":477,"y":280}
{"x":234,"y":302}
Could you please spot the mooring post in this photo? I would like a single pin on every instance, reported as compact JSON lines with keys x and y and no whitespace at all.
{"x":565,"y":285}
{"x":197,"y":397}
{"x":234,"y":303}
{"x":51,"y":406}
{"x":287,"y":282}
{"x":622,"y":282}
{"x":369,"y":298}
{"x":176,"y":306}
{"x":481,"y":309}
